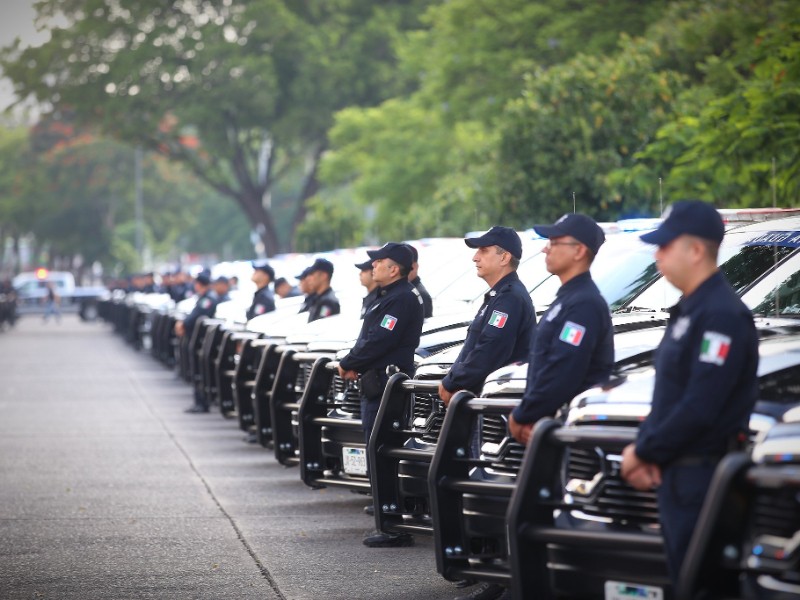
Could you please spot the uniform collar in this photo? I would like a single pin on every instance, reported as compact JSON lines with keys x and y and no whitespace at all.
{"x":392,"y":286}
{"x":700,"y":295}
{"x":575,"y":283}
{"x":504,"y":281}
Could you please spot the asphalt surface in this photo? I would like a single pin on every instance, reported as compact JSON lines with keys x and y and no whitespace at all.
{"x":109,"y":490}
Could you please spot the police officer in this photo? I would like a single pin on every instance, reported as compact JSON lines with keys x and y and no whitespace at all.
{"x":325,"y":303}
{"x":501,"y":331}
{"x":263,"y":300}
{"x":389,"y":335}
{"x":222,"y":286}
{"x":283,"y":289}
{"x":205,"y":306}
{"x":413,"y":277}
{"x":706,"y":383}
{"x":573,"y":348}
{"x":305,"y":288}
{"x":365,"y":277}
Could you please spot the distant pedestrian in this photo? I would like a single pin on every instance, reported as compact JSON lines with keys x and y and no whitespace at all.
{"x":52,"y":303}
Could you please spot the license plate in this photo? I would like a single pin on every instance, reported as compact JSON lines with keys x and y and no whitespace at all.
{"x":621,"y":590}
{"x":354,"y":461}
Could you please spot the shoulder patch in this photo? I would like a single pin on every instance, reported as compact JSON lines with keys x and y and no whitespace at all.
{"x":260,"y":309}
{"x":205,"y":303}
{"x":714,"y":348}
{"x":553,"y":312}
{"x":572,"y":333}
{"x":325,"y":311}
{"x":498,"y":319}
{"x":389,"y":322}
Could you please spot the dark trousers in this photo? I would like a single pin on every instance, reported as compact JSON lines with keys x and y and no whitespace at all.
{"x":680,"y":498}
{"x":369,"y":412}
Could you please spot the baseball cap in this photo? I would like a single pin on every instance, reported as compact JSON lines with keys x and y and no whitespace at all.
{"x":505,"y":237}
{"x":321,"y":264}
{"x":687,"y":217}
{"x":399,"y":253}
{"x":582,"y":228}
{"x":203,"y":277}
{"x":364,"y":266}
{"x":262,"y":265}
{"x":221,"y":279}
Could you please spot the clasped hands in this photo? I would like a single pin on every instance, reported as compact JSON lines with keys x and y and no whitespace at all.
{"x":639,"y":474}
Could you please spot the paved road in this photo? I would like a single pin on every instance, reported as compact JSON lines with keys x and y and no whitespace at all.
{"x":108,"y":490}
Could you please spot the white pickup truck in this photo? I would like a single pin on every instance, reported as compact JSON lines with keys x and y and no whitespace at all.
{"x":31,"y":288}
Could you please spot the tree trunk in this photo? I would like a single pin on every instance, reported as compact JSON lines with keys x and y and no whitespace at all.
{"x":261,"y":220}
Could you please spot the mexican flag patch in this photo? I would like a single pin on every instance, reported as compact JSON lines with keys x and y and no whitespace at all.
{"x":389,"y":322}
{"x":714,"y":348}
{"x":572,"y":333}
{"x":498,"y":319}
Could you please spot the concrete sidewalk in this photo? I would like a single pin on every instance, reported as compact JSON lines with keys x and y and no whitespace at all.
{"x":108,"y":490}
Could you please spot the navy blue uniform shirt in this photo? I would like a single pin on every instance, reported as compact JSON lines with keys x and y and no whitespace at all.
{"x":499,"y":334}
{"x":263,"y":302}
{"x":571,"y":351}
{"x":323,"y":305}
{"x":368,"y":300}
{"x":205,"y":307}
{"x":427,"y":301}
{"x":390,"y":332}
{"x":308,"y":301}
{"x":706,"y":376}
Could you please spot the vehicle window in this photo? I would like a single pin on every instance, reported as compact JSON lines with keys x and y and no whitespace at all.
{"x":783,"y":299}
{"x":783,"y":386}
{"x":744,"y":267}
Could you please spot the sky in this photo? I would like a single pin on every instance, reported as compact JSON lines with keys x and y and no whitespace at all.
{"x":17,"y":21}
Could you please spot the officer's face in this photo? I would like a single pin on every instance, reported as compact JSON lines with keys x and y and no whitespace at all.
{"x":260,"y":278}
{"x":384,"y":271}
{"x":561,"y":254}
{"x":488,"y":262}
{"x":675,"y":260}
{"x":365,"y":277}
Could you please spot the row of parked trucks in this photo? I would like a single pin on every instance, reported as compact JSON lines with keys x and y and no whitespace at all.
{"x":551,"y":520}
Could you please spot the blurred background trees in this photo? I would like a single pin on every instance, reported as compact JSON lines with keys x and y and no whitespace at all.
{"x":318,"y":124}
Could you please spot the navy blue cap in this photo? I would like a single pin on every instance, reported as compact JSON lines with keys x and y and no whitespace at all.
{"x":364,"y":266}
{"x":399,"y":253}
{"x":687,"y":217}
{"x":305,"y":273}
{"x":203,"y":277}
{"x":582,"y":228}
{"x":505,"y":237}
{"x":321,"y":264}
{"x":222,"y":279}
{"x":262,"y":265}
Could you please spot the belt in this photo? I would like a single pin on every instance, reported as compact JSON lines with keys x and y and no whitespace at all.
{"x":697,"y":460}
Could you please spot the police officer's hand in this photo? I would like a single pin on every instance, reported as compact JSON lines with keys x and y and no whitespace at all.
{"x":639,"y":474}
{"x":444,"y":394}
{"x":347,"y":375}
{"x":519,"y":431}
{"x":179,"y":330}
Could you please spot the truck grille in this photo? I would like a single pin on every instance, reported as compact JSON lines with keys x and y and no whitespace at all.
{"x":608,"y":495}
{"x":345,"y":396}
{"x":303,"y":375}
{"x":428,"y":416}
{"x":506,"y":453}
{"x":776,"y":512}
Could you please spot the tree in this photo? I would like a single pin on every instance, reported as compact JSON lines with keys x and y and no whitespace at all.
{"x":241,"y":93}
{"x":745,"y":112}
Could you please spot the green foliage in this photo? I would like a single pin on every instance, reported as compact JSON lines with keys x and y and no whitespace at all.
{"x":575,"y":124}
{"x":333,"y":220}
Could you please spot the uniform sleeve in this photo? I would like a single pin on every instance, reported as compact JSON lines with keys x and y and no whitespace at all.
{"x":494,"y":345}
{"x":383,"y":336}
{"x":720,"y":355}
{"x":559,"y":373}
